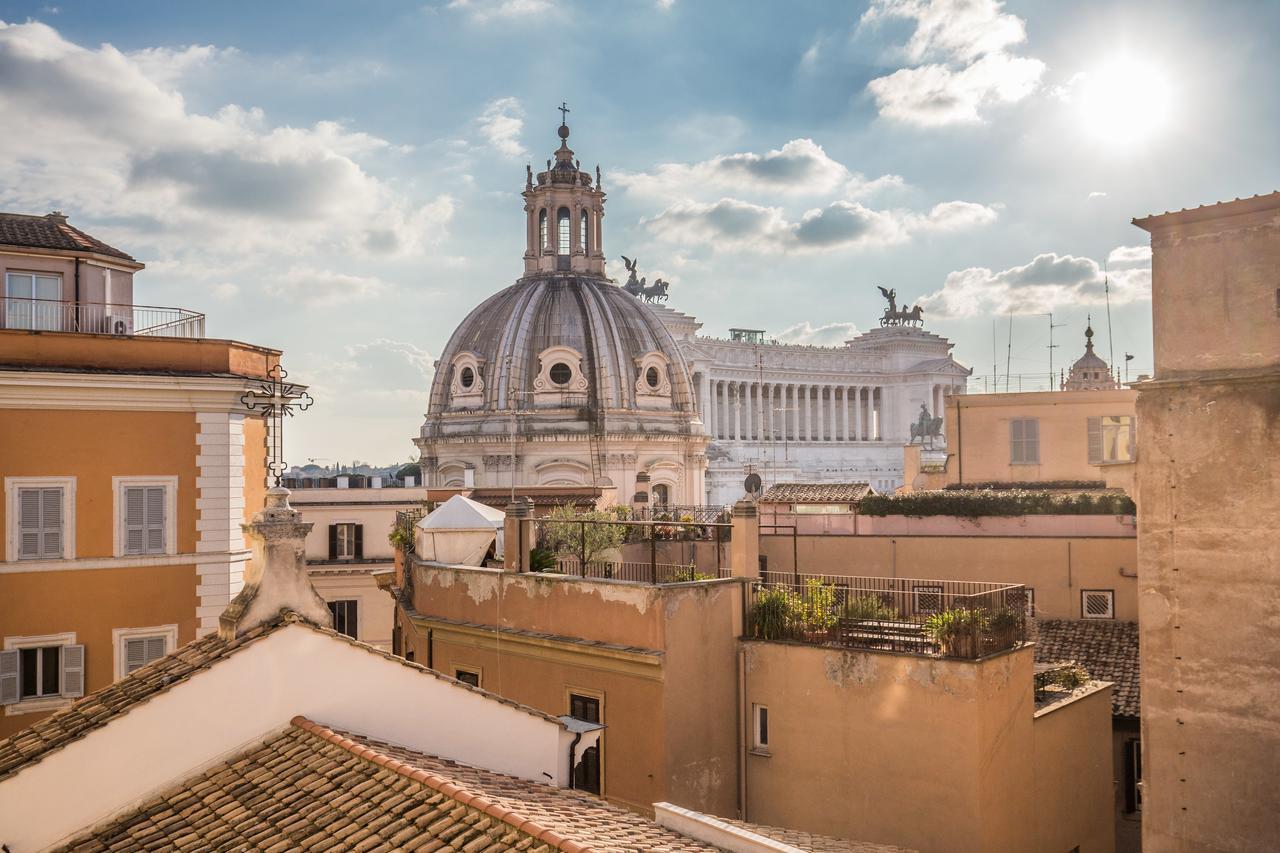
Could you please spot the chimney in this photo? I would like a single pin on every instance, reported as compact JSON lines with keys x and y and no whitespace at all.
{"x":56,"y":216}
{"x":276,"y":577}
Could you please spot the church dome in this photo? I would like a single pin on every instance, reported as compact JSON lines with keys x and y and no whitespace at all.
{"x":563,"y":341}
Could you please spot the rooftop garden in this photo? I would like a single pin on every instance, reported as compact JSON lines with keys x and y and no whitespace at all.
{"x":977,"y":503}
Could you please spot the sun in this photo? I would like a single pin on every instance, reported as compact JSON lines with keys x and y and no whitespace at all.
{"x":1125,"y":101}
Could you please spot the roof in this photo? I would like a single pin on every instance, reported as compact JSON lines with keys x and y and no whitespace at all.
{"x":814,"y":843}
{"x":311,"y":787}
{"x":51,"y":232}
{"x":99,"y":708}
{"x":1217,"y":210}
{"x":816,"y":493}
{"x":1108,"y":650}
{"x":462,"y":513}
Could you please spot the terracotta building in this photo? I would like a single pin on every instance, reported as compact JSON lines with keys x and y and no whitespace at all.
{"x":1209,"y":563}
{"x":128,"y":461}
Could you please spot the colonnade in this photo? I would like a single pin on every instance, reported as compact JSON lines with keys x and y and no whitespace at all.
{"x":791,"y":411}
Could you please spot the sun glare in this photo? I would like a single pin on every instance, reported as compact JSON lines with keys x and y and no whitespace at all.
{"x":1125,"y":101}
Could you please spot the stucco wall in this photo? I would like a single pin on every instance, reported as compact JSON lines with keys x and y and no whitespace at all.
{"x":1058,"y":569}
{"x":374,"y":609}
{"x":1073,"y":793}
{"x":929,"y":754}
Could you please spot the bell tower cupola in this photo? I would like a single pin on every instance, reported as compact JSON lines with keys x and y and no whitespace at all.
{"x":564,"y":210}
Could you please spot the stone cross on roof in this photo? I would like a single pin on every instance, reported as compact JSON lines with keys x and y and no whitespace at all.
{"x":276,"y":398}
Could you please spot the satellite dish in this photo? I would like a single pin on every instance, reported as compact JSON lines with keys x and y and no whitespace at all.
{"x":752,"y":484}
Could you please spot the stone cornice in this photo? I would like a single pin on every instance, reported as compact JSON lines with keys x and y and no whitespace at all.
{"x":33,"y":389}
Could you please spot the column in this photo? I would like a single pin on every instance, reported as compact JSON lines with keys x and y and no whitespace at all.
{"x":704,"y":388}
{"x":824,"y":408}
{"x":762,"y":428}
{"x":844,"y":410}
{"x":857,"y":413}
{"x":804,"y":412}
{"x":793,"y":416}
{"x":877,"y":405}
{"x":711,"y":408}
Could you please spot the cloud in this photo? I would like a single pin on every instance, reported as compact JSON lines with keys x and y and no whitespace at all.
{"x":737,"y":224}
{"x":1049,"y":282}
{"x":801,"y":166}
{"x":959,"y":61}
{"x":395,"y":374}
{"x":1097,"y":194}
{"x":226,"y":291}
{"x":484,"y":11}
{"x":501,"y":124}
{"x":109,"y":136}
{"x":1126,"y":255}
{"x":315,"y":288}
{"x":828,"y":335}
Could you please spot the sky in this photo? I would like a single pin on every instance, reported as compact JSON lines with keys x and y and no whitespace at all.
{"x":341,"y":180}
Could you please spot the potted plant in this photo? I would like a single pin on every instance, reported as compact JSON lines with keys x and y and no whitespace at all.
{"x":773,"y":614}
{"x":819,"y":610}
{"x":958,"y":632}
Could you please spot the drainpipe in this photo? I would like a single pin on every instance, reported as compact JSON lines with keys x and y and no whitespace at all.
{"x":959,"y":442}
{"x":77,"y":306}
{"x":742,"y":732}
{"x":573,"y":783}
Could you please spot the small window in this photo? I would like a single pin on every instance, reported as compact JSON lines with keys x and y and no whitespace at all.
{"x":651,"y":377}
{"x":37,"y":668}
{"x":586,"y":776}
{"x":1111,"y":439}
{"x":1024,"y":441}
{"x":140,"y":651}
{"x":467,"y":378}
{"x":563,"y":230}
{"x":760,"y":727}
{"x":144,"y":522}
{"x":1097,"y":604}
{"x":661,"y":494}
{"x":346,"y":541}
{"x":40,"y":524}
{"x":345,"y":617}
{"x":1133,"y":776}
{"x":468,"y":676}
{"x":542,"y":230}
{"x":583,"y":231}
{"x":928,"y":599}
{"x":560,"y":373}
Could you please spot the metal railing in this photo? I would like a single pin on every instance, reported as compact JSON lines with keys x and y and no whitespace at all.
{"x":575,"y":546}
{"x":99,"y":318}
{"x":641,"y":571}
{"x":961,"y":619}
{"x":683,"y":513}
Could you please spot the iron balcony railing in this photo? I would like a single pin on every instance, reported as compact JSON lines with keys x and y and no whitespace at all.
{"x":961,"y":619}
{"x":99,"y":318}
{"x":640,"y":571}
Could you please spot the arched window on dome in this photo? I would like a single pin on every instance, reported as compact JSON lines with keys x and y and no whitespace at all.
{"x":562,"y":230}
{"x":583,"y":230}
{"x":542,"y":230}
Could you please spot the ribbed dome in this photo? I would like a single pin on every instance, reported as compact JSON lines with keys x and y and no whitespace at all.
{"x":610,"y":329}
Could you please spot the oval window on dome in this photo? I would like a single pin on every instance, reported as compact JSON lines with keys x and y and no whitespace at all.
{"x":651,"y":377}
{"x":560,"y":373}
{"x":468,"y":377}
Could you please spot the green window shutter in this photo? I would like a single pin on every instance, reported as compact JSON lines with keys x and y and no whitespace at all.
{"x":1095,"y":441}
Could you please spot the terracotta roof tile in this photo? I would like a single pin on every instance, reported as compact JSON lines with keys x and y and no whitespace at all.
{"x":814,"y":843}
{"x":51,"y":232}
{"x":816,"y":493}
{"x":1108,"y":650}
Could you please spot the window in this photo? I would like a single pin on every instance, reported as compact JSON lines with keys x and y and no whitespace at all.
{"x":346,"y":541}
{"x":928,"y":598}
{"x":651,"y":377}
{"x":39,"y":524}
{"x":586,"y":776}
{"x":563,"y":230}
{"x":1111,"y":439}
{"x":144,"y":520}
{"x":760,"y":728}
{"x":32,"y":301}
{"x":583,"y":230}
{"x":542,"y":230}
{"x":560,"y":373}
{"x":468,"y":377}
{"x":468,"y":676}
{"x":1097,"y":604}
{"x":661,"y":494}
{"x":137,"y":647}
{"x":35,"y":669}
{"x":1133,"y":775}
{"x":1024,"y":441}
{"x":345,"y":617}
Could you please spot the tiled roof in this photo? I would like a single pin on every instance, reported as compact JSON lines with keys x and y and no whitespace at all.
{"x":1261,"y":201}
{"x":815,"y":843}
{"x":1108,"y":650}
{"x":102,"y":706}
{"x":51,"y":232}
{"x":815,"y":493}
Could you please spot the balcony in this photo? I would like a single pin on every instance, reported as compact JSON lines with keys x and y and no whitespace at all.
{"x":937,"y":618}
{"x":95,"y":318}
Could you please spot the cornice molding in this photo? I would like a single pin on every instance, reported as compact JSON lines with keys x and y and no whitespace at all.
{"x":31,"y":389}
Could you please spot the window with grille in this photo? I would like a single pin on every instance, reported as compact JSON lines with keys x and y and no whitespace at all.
{"x":1112,"y":438}
{"x":586,"y":775}
{"x":39,"y":668}
{"x":468,"y":676}
{"x":1024,"y":441}
{"x":144,"y":521}
{"x":1097,"y":604}
{"x":40,"y":521}
{"x":346,"y":617}
{"x":928,"y":598}
{"x":137,"y":652}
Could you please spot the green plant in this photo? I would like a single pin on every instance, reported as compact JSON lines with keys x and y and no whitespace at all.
{"x":773,"y":616}
{"x":567,"y":535}
{"x":868,"y":607}
{"x":819,"y":613}
{"x":541,"y":560}
{"x":685,"y":574}
{"x":1070,"y":677}
{"x":986,"y":502}
{"x":958,"y":632}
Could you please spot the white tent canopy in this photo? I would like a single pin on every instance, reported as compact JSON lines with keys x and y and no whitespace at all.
{"x":459,"y":532}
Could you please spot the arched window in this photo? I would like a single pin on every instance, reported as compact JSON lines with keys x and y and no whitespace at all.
{"x":542,"y":229}
{"x":562,"y":230}
{"x":583,"y":231}
{"x":661,"y":494}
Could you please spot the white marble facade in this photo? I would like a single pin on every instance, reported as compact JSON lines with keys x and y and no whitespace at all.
{"x":791,"y":412}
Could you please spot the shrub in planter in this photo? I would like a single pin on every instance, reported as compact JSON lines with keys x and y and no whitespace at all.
{"x":685,"y":574}
{"x":958,"y":632}
{"x":542,"y":560}
{"x":819,"y":608}
{"x":1005,"y":627}
{"x":774,"y":614}
{"x":868,"y":607}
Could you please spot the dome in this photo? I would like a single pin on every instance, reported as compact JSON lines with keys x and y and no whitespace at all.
{"x":557,"y":342}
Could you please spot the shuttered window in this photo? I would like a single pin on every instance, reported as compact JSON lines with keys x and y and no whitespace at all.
{"x":1111,"y":439}
{"x":41,"y":672}
{"x":346,"y":541}
{"x":140,"y":651}
{"x":1024,"y":441}
{"x":346,"y":617}
{"x":144,"y":520}
{"x":40,"y":521}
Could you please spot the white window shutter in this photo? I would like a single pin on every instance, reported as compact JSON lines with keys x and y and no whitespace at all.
{"x":134,"y":520}
{"x":9,"y":685}
{"x":155,"y":648}
{"x":135,"y":654}
{"x":1015,"y":441}
{"x":1031,"y":440}
{"x":1095,"y":441}
{"x":29,"y":523}
{"x":73,"y":671}
{"x":155,"y":520}
{"x":51,"y":522}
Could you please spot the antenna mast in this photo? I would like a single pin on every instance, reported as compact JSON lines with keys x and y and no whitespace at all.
{"x":1106,"y":286}
{"x":1008,"y":358}
{"x":1052,"y":346}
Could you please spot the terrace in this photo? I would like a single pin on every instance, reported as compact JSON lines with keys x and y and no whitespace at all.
{"x":94,"y":318}
{"x":939,"y":618}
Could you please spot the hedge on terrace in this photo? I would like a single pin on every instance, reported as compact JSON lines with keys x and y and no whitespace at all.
{"x":1040,"y":486}
{"x":974,"y":504}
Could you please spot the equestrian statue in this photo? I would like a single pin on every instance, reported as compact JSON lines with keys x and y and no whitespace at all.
{"x":893,"y":317}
